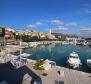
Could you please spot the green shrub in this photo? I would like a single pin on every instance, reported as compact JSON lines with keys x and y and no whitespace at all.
{"x":39,"y":65}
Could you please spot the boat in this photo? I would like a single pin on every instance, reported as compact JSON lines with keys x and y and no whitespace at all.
{"x":33,"y":44}
{"x":24,"y":55}
{"x":74,"y":60}
{"x":89,"y":63}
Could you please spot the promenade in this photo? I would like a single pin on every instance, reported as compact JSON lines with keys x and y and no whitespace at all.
{"x":67,"y":76}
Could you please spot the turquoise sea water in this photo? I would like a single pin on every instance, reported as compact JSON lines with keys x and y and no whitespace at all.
{"x":59,"y":53}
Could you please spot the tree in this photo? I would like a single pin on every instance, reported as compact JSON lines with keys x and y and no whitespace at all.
{"x":14,"y":34}
{"x":63,"y":38}
{"x":2,"y":31}
{"x":34,"y":38}
{"x":17,"y":37}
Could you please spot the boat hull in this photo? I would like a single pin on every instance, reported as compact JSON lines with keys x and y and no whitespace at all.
{"x":73,"y":65}
{"x":89,"y":65}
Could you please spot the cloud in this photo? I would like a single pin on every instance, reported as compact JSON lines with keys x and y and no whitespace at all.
{"x":60,"y":27}
{"x":71,"y":24}
{"x":56,"y":22}
{"x":61,"y":30}
{"x":85,"y":29}
{"x":85,"y":32}
{"x":57,"y":26}
{"x":30,"y":26}
{"x":10,"y":29}
{"x":87,"y":10}
{"x":86,"y":5}
{"x":39,"y":23}
{"x":36,"y":24}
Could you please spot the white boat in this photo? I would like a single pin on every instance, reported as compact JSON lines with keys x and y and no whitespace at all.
{"x":33,"y":44}
{"x":89,"y":62}
{"x":65,"y":43}
{"x":74,"y":60}
{"x":24,"y":55}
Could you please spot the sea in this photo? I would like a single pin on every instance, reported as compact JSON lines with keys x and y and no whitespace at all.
{"x":60,"y":53}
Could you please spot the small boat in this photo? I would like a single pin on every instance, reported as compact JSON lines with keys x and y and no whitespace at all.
{"x":89,"y":63}
{"x":33,"y":44}
{"x":74,"y":60}
{"x":24,"y":55}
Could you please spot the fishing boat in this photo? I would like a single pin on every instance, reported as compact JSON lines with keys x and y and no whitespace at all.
{"x":89,"y":63}
{"x":74,"y":60}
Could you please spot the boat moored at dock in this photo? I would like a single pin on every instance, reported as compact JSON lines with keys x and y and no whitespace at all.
{"x":74,"y":60}
{"x":89,"y":63}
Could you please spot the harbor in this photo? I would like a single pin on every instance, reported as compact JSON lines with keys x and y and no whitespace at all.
{"x":52,"y":50}
{"x":45,"y":42}
{"x":56,"y":68}
{"x":60,"y":53}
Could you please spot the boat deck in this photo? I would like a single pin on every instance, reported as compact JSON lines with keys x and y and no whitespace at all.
{"x":67,"y":76}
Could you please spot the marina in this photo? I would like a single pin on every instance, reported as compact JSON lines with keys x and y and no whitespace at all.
{"x":55,"y":55}
{"x":60,"y":53}
{"x":45,"y":41}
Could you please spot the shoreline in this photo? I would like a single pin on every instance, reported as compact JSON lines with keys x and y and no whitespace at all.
{"x":68,"y":76}
{"x":31,"y":60}
{"x":16,"y":48}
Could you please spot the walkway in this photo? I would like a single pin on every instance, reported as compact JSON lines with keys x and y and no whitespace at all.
{"x":67,"y":76}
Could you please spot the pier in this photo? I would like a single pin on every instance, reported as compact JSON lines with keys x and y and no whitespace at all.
{"x":67,"y":76}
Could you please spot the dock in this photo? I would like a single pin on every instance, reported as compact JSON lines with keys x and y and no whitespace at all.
{"x":67,"y":76}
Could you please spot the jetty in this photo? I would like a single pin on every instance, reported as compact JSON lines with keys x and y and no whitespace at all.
{"x":66,"y":76}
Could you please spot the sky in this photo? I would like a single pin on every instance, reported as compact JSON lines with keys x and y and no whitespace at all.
{"x":62,"y":16}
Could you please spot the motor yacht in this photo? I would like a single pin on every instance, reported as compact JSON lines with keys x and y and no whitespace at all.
{"x":74,"y":60}
{"x":89,"y":63}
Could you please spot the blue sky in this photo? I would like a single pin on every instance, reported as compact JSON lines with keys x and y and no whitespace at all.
{"x":66,"y":15}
